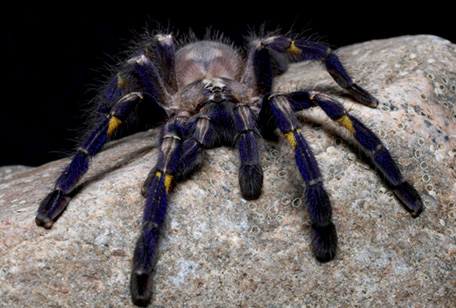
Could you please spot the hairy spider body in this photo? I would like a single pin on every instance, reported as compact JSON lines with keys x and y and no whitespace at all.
{"x":204,"y":95}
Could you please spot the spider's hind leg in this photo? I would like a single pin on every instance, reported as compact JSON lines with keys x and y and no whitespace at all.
{"x":308,"y":50}
{"x":164,"y":46}
{"x":324,"y":236}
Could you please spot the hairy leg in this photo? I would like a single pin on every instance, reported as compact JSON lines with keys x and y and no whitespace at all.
{"x":198,"y":136}
{"x":250,"y":171}
{"x":160,"y":182}
{"x":367,"y":141}
{"x":324,"y":236}
{"x":54,"y":204}
{"x":308,"y":50}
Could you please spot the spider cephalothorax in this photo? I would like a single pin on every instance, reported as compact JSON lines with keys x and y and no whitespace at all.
{"x":203,"y":95}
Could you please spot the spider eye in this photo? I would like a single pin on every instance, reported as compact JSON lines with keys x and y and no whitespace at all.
{"x":215,"y":85}
{"x":223,"y":89}
{"x":216,"y":89}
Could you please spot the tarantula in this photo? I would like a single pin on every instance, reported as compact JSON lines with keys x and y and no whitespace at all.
{"x":205,"y":94}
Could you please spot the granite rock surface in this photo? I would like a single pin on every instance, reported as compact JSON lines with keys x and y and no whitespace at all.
{"x":219,"y":250}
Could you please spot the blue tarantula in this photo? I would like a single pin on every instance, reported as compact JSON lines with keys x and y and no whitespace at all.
{"x":205,"y":94}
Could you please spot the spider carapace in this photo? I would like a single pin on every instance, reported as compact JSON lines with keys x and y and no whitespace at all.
{"x":206,"y":94}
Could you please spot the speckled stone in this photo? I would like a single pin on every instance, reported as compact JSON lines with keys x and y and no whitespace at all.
{"x":219,"y":250}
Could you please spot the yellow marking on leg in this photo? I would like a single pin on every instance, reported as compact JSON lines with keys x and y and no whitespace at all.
{"x":113,"y":124}
{"x":347,"y":123}
{"x":291,"y":138}
{"x":293,"y":49}
{"x":168,"y":180}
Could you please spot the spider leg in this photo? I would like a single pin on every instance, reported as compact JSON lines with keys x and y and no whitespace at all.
{"x":163,"y":44}
{"x":215,"y":124}
{"x":160,"y":184}
{"x":367,"y":141}
{"x":250,"y":171}
{"x":147,"y":78}
{"x":324,"y":236}
{"x":234,"y":125}
{"x":54,"y":204}
{"x":308,"y":50}
{"x":198,"y":137}
{"x":259,"y":73}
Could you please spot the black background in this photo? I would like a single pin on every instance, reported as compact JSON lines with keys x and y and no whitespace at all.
{"x":54,"y":53}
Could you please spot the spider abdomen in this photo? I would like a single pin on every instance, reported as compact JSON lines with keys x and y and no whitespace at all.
{"x":207,"y":59}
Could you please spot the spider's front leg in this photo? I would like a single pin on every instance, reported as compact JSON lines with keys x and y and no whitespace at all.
{"x":199,"y":132}
{"x":230,"y":123}
{"x":250,"y":171}
{"x":159,"y":181}
{"x":55,"y":202}
{"x":324,"y":236}
{"x":308,"y":50}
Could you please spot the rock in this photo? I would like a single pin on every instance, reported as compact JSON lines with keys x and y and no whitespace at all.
{"x":219,"y":250}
